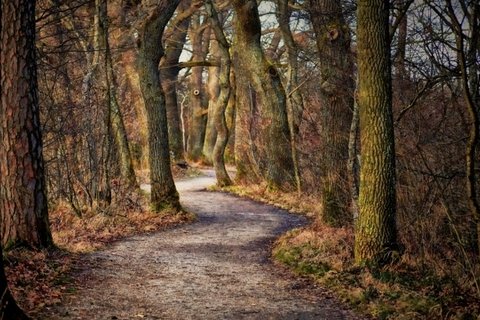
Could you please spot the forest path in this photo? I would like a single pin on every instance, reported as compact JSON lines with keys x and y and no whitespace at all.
{"x":215,"y":268}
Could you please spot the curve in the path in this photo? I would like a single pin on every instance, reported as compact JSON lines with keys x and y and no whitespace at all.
{"x":215,"y":268}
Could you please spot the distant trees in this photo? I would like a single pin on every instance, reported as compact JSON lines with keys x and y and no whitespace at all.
{"x":150,"y":51}
{"x":23,"y":199}
{"x":463,"y":21}
{"x":115,"y":115}
{"x":375,"y":234}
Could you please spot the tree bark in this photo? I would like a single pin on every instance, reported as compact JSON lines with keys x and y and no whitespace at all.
{"x":164,"y":193}
{"x":336,"y":96}
{"x":8,"y":307}
{"x":198,"y":107}
{"x":213,"y":92}
{"x":294,"y":97}
{"x":279,"y":171}
{"x":375,"y":234}
{"x":402,"y":49}
{"x":169,"y":71}
{"x":23,"y":201}
{"x":247,"y":167}
{"x":221,"y":103}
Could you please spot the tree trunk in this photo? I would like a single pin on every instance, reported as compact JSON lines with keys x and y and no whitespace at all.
{"x":213,"y":92}
{"x":375,"y":234}
{"x":221,"y":103}
{"x":294,"y":97}
{"x":402,"y":49}
{"x":353,"y":161}
{"x":164,"y":193}
{"x":23,"y":201}
{"x":197,"y":105}
{"x":247,"y":167}
{"x":336,"y":96}
{"x":271,"y":95}
{"x":8,"y":307}
{"x":169,"y":71}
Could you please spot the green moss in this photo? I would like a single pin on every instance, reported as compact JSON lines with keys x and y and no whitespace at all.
{"x":300,"y":259}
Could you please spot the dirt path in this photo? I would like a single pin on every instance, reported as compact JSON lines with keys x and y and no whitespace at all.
{"x":215,"y":268}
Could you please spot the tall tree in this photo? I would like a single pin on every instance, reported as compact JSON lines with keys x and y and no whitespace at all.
{"x":336,"y":97}
{"x":294,"y":96}
{"x":265,"y":80}
{"x":174,"y":44}
{"x":213,"y":91}
{"x":199,"y":37}
{"x":23,"y":201}
{"x":221,"y":103}
{"x":8,"y":307}
{"x":375,"y":234}
{"x":150,"y":51}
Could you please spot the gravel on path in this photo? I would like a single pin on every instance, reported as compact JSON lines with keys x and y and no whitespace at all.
{"x":218,"y":267}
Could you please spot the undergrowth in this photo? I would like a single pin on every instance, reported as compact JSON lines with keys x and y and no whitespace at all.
{"x":409,"y":289}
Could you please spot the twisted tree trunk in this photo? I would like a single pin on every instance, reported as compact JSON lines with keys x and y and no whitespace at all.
{"x":221,"y":103}
{"x":164,"y":193}
{"x":279,"y":166}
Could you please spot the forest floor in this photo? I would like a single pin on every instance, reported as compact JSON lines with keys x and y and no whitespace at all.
{"x":218,"y":267}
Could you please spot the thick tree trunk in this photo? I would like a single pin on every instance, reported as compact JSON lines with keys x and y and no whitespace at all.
{"x":247,"y":167}
{"x":221,"y":103}
{"x":375,"y":234}
{"x":336,"y":96}
{"x":169,"y":72}
{"x":8,"y":307}
{"x":164,"y":193}
{"x":270,"y":93}
{"x":23,"y":201}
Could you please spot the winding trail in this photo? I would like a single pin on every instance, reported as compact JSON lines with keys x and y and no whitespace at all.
{"x":215,"y":268}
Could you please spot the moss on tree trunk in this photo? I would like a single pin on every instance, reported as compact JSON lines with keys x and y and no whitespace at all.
{"x":375,"y":234}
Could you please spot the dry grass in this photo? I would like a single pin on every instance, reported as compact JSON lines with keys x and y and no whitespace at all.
{"x":93,"y":230}
{"x":293,"y":202}
{"x":406,"y":290}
